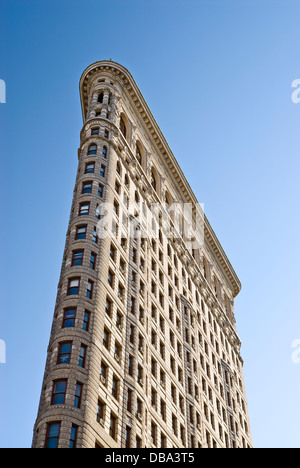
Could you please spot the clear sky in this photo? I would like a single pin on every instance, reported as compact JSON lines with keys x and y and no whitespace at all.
{"x":217,"y":76}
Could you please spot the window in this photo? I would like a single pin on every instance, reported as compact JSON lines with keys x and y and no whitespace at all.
{"x":115,"y":387}
{"x":102,"y":170}
{"x":129,"y":400}
{"x":106,"y":133}
{"x":123,"y":127}
{"x":100,"y":98}
{"x":163,"y":410}
{"x":89,"y":290}
{"x":59,"y":392}
{"x":100,"y":191}
{"x":139,"y":155}
{"x":73,"y":438}
{"x":104,"y":152}
{"x":154,"y":432}
{"x":77,"y":258}
{"x":52,"y":437}
{"x":110,"y":278}
{"x":138,"y":442}
{"x":132,"y":305}
{"x":100,"y":411}
{"x":93,"y":261}
{"x":64,"y":353}
{"x":69,"y":318}
{"x":81,"y":232}
{"x":113,"y":426}
{"x":128,"y":437}
{"x":106,"y":336}
{"x":90,"y":168}
{"x":103,"y":372}
{"x":92,"y":150}
{"x":84,"y":209}
{"x":130,"y":366}
{"x":97,"y":212}
{"x":108,"y":307}
{"x":95,"y":236}
{"x":131,"y":334}
{"x":78,"y":395}
{"x":87,"y":187}
{"x":73,"y":286}
{"x":153,"y":180}
{"x":82,"y":356}
{"x":95,"y":131}
{"x":86,"y":321}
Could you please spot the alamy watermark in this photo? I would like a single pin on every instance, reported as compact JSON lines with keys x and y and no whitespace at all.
{"x":175,"y":222}
{"x":2,"y":92}
{"x":296,"y":93}
{"x":296,"y":352}
{"x":2,"y":352}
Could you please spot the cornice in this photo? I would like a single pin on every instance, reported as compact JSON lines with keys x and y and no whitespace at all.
{"x":123,"y":76}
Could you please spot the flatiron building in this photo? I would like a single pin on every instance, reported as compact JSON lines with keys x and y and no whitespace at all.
{"x":143,"y":351}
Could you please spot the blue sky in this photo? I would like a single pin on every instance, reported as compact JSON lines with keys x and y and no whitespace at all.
{"x":217,"y":76}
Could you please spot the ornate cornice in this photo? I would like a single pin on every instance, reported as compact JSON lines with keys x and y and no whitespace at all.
{"x":124,"y":78}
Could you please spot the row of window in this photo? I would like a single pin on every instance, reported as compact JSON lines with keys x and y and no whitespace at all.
{"x":74,"y":288}
{"x":53,"y":434}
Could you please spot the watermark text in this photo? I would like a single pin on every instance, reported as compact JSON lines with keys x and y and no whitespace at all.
{"x":2,"y":92}
{"x":2,"y":352}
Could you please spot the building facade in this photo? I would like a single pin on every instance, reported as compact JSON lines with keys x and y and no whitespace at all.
{"x":143,"y":350}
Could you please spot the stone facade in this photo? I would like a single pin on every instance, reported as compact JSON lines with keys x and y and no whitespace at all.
{"x":144,"y":350}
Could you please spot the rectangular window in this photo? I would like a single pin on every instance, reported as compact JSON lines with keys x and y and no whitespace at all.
{"x":102,"y":170}
{"x":73,"y":438}
{"x":138,"y":442}
{"x":81,"y":232}
{"x":93,"y":261}
{"x":87,"y":187}
{"x":86,"y":321}
{"x":82,"y":356}
{"x":69,"y":318}
{"x":59,"y":392}
{"x":90,"y":168}
{"x":73,"y":286}
{"x":64,"y":353}
{"x":106,"y":336}
{"x":95,"y":236}
{"x":78,"y":395}
{"x":77,"y":258}
{"x":113,"y":427}
{"x":95,"y":131}
{"x":129,"y":401}
{"x":130,"y":366}
{"x":52,"y":437}
{"x":84,"y":209}
{"x":100,"y":411}
{"x":128,"y":437}
{"x":89,"y":290}
{"x":103,"y":372}
{"x":110,"y":278}
{"x":100,"y":191}
{"x":115,"y":388}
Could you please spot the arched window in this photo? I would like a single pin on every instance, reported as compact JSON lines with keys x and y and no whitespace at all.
{"x":123,"y":127}
{"x":154,"y":180}
{"x":139,"y":154}
{"x":92,"y":149}
{"x":100,"y":98}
